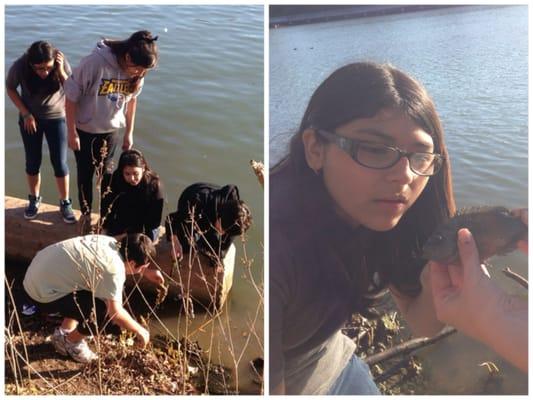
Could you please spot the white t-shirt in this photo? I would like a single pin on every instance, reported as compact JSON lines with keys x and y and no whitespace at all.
{"x":91,"y":263}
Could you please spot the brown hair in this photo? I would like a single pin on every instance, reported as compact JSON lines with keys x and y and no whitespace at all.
{"x":137,"y":247}
{"x":361,"y":90}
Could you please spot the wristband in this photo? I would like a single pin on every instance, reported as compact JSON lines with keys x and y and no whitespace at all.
{"x":26,"y":115}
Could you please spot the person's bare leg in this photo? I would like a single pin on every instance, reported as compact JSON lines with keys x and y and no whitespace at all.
{"x":63,"y":187}
{"x":34,"y":183}
{"x":75,"y":336}
{"x":69,"y":324}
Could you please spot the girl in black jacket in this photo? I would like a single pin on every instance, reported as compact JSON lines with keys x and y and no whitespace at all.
{"x":132,"y":197}
{"x":207,"y":219}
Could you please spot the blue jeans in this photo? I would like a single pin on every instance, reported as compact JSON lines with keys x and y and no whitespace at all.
{"x":355,"y":379}
{"x":56,"y":136}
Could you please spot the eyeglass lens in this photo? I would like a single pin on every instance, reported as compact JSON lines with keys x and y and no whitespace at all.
{"x":379,"y":156}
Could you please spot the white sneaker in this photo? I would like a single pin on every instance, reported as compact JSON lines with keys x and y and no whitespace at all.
{"x":58,"y":340}
{"x":80,"y":351}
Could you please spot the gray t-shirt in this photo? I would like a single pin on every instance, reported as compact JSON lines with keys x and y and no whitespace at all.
{"x":40,"y":101}
{"x":307,"y":350}
{"x":91,"y":263}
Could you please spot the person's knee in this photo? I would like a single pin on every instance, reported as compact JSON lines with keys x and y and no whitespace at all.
{"x":33,"y":167}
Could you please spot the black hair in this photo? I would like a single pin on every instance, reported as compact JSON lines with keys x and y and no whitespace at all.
{"x":140,"y":46}
{"x":235,"y":217}
{"x":134,"y":158}
{"x":40,"y":52}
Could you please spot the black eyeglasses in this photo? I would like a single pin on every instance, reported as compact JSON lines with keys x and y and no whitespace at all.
{"x":380,"y":156}
{"x":40,"y":68}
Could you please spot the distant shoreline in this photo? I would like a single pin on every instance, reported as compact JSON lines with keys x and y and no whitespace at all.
{"x":311,"y":15}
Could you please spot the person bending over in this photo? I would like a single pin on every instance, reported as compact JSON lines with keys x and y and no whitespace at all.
{"x":208,"y":217}
{"x":101,"y":98}
{"x":83,"y":277}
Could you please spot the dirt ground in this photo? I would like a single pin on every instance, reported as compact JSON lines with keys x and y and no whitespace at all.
{"x":165,"y":367}
{"x":373,"y":335}
{"x":121,"y":369}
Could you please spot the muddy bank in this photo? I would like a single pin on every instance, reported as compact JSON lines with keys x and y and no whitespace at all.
{"x":407,"y":371}
{"x":376,"y":333}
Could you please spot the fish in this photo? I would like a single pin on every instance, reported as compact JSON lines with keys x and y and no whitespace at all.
{"x":495,"y":231}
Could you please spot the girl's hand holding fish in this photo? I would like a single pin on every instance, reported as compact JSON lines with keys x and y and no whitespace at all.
{"x":466,"y":298}
{"x":463,"y":289}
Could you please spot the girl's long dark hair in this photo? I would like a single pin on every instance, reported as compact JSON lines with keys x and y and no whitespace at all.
{"x":38,"y":53}
{"x":361,"y":90}
{"x":140,"y":46}
{"x":134,"y":158}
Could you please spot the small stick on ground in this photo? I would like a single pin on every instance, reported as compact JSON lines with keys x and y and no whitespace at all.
{"x":516,"y":277}
{"x":408,"y":347}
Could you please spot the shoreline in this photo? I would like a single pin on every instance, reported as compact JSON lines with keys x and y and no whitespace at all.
{"x":316,"y":14}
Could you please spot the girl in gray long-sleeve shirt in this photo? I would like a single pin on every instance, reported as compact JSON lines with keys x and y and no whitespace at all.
{"x":364,"y":184}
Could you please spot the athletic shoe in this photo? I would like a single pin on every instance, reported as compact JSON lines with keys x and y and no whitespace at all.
{"x":80,"y":351}
{"x":29,"y":309}
{"x":65,"y":207}
{"x":33,"y":208}
{"x":59,"y":341}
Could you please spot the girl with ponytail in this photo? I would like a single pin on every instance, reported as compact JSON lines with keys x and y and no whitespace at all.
{"x":101,"y":99}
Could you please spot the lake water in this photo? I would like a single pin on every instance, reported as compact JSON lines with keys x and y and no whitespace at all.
{"x":199,"y":118}
{"x":474,"y":63}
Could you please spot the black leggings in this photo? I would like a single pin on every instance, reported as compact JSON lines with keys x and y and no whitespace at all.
{"x":79,"y":306}
{"x":89,"y":159}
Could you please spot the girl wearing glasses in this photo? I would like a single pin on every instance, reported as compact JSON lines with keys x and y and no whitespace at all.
{"x":132,"y":197}
{"x":365,"y":182}
{"x":40,"y":72}
{"x":102,"y":98}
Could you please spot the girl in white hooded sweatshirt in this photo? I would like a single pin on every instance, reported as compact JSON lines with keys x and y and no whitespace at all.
{"x":101,"y":98}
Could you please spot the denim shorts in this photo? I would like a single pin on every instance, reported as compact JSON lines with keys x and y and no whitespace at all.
{"x":355,"y":379}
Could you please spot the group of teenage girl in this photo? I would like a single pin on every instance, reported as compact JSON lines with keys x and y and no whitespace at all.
{"x":83,"y":109}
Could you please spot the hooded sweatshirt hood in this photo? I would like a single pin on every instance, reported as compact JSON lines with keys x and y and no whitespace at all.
{"x":101,"y":90}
